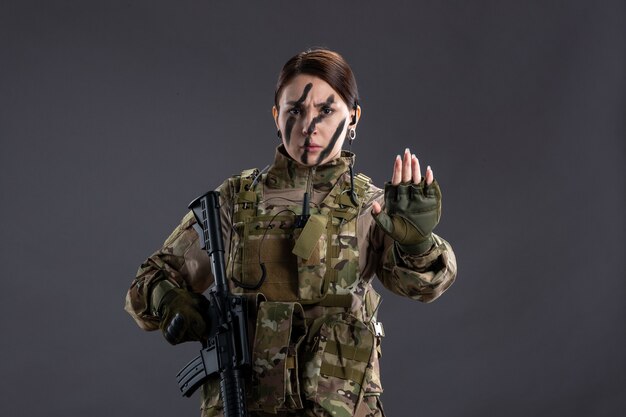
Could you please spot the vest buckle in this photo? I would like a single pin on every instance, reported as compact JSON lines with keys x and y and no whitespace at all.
{"x":379,"y":330}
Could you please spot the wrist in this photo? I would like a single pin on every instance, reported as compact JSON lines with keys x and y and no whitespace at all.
{"x":158,"y":294}
{"x":418,"y":248}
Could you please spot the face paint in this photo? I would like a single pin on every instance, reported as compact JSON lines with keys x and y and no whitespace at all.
{"x":305,"y":155}
{"x":330,"y":100}
{"x":292,"y":120}
{"x":307,"y":140}
{"x":288,"y":128}
{"x":305,"y":93}
{"x":331,"y":144}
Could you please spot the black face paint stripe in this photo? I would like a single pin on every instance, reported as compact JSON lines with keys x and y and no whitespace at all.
{"x":305,"y":93}
{"x":307,"y":140}
{"x":288,"y":127}
{"x":305,"y":154}
{"x":332,"y":143}
{"x":292,"y":120}
{"x":315,"y":121}
{"x":330,"y":100}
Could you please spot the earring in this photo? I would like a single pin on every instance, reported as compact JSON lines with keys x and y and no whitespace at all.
{"x":280,"y":135}
{"x":352,"y":134}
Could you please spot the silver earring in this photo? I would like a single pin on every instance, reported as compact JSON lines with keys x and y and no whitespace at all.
{"x":352,"y":134}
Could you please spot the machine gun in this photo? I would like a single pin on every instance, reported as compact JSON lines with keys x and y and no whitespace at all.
{"x":226,"y":352}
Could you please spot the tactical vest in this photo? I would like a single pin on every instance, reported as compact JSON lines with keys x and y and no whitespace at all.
{"x":309,"y":341}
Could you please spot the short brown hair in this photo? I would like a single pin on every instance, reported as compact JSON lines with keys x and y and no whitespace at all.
{"x":325,"y":64}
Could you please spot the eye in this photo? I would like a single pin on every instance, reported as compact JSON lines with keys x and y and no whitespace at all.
{"x":294,"y":111}
{"x":327,"y":110}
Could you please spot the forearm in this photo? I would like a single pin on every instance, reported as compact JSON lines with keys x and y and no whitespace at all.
{"x":176,"y":261}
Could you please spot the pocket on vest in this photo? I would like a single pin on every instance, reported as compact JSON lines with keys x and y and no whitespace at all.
{"x":280,"y":329}
{"x":311,"y":271}
{"x":257,"y":242}
{"x":340,"y":355}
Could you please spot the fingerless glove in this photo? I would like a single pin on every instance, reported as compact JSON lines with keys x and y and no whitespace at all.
{"x":411,"y":213}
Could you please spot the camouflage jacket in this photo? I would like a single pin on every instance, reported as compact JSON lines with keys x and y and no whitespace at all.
{"x":317,"y":340}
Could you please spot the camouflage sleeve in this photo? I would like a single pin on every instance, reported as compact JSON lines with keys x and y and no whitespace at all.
{"x":180,"y":260}
{"x":420,"y":277}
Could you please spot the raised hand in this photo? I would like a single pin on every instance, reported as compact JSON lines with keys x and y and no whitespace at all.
{"x":406,"y":169}
{"x":412,"y":206}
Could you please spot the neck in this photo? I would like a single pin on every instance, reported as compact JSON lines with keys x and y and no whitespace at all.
{"x":289,"y":173}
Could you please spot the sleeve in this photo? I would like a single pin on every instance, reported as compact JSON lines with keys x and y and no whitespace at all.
{"x":420,"y":277}
{"x":180,"y":260}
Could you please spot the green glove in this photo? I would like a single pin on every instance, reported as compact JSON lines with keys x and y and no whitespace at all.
{"x":180,"y":312}
{"x":411,"y":213}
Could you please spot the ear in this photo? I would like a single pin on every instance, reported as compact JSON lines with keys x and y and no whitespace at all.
{"x":275,"y":115}
{"x":355,"y":115}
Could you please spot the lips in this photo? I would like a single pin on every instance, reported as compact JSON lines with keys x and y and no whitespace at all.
{"x":311,"y":147}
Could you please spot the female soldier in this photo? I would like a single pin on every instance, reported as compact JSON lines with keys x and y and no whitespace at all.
{"x":316,"y":341}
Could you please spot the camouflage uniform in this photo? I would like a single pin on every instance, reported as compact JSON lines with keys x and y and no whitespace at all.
{"x":316,"y":340}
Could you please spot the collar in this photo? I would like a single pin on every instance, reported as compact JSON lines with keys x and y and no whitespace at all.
{"x":286,"y":172}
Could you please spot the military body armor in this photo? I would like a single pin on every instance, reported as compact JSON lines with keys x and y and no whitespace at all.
{"x":316,"y":335}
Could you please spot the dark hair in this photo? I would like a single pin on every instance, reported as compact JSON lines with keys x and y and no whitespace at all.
{"x":325,"y":64}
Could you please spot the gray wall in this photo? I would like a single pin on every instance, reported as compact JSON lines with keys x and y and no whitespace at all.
{"x":114,"y":115}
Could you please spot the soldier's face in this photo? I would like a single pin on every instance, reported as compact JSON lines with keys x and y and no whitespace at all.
{"x":313,"y":120}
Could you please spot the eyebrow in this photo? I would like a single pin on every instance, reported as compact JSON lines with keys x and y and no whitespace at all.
{"x":330,"y":100}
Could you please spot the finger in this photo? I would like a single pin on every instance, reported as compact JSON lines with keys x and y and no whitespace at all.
{"x":429,"y":175}
{"x":376,"y":208}
{"x":397,"y":171}
{"x":406,"y":166}
{"x":417,"y":171}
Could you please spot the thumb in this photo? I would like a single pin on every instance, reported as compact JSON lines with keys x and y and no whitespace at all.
{"x":383,"y":220}
{"x":376,"y":208}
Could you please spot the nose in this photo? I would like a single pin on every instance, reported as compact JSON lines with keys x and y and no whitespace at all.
{"x":309,"y":123}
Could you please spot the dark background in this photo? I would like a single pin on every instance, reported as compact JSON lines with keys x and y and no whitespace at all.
{"x":115,"y":114}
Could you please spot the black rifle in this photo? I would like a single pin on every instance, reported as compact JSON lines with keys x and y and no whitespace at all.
{"x":226,"y":351}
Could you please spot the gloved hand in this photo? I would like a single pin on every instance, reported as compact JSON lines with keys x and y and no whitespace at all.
{"x":411,"y":213}
{"x":181,"y":317}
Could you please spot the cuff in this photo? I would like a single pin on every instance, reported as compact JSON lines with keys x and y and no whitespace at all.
{"x":419,"y":262}
{"x":418,"y":249}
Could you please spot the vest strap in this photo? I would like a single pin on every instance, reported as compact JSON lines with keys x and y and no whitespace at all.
{"x":336,"y":300}
{"x":348,"y":352}
{"x":343,"y":373}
